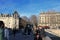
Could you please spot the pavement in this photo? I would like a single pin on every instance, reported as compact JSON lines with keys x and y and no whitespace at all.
{"x":50,"y":33}
{"x":21,"y":36}
{"x":56,"y":32}
{"x":46,"y":38}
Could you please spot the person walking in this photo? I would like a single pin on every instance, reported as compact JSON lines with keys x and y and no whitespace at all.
{"x":37,"y":35}
{"x":42,"y":32}
{"x":14,"y":32}
{"x":25,"y":30}
{"x":2,"y":30}
{"x":6,"y":33}
{"x":28,"y":29}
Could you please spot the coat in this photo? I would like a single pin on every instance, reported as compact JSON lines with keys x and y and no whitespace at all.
{"x":1,"y":34}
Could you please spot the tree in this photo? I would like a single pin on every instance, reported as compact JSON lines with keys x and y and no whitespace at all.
{"x":25,"y":18}
{"x":33,"y":20}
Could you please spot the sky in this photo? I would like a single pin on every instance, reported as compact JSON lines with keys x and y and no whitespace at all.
{"x":28,"y":7}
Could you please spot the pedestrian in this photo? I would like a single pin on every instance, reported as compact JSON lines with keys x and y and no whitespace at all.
{"x":42,"y":31}
{"x":6,"y":33}
{"x":37,"y":35}
{"x":25,"y":30}
{"x":14,"y":32}
{"x":2,"y":30}
{"x":29,"y":29}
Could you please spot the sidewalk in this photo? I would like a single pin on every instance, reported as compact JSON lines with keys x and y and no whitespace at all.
{"x":20,"y":36}
{"x":46,"y":38}
{"x":54,"y":31}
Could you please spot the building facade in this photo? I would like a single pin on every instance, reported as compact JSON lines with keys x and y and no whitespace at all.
{"x":10,"y":21}
{"x":51,"y":19}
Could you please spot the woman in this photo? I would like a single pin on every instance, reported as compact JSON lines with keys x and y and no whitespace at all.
{"x":1,"y":30}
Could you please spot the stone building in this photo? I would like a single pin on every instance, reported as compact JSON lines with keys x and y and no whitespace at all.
{"x":10,"y":21}
{"x":51,"y":19}
{"x":22,"y":23}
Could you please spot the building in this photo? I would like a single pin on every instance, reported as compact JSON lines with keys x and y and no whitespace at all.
{"x":51,"y":19}
{"x":10,"y":21}
{"x":22,"y":23}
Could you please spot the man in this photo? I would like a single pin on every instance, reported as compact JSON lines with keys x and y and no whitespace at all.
{"x":37,"y":35}
{"x":1,"y":30}
{"x":42,"y":32}
{"x":28,"y":29}
{"x":14,"y":32}
{"x":6,"y":33}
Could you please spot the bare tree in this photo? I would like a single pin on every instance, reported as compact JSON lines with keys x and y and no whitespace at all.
{"x":25,"y":18}
{"x":33,"y":20}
